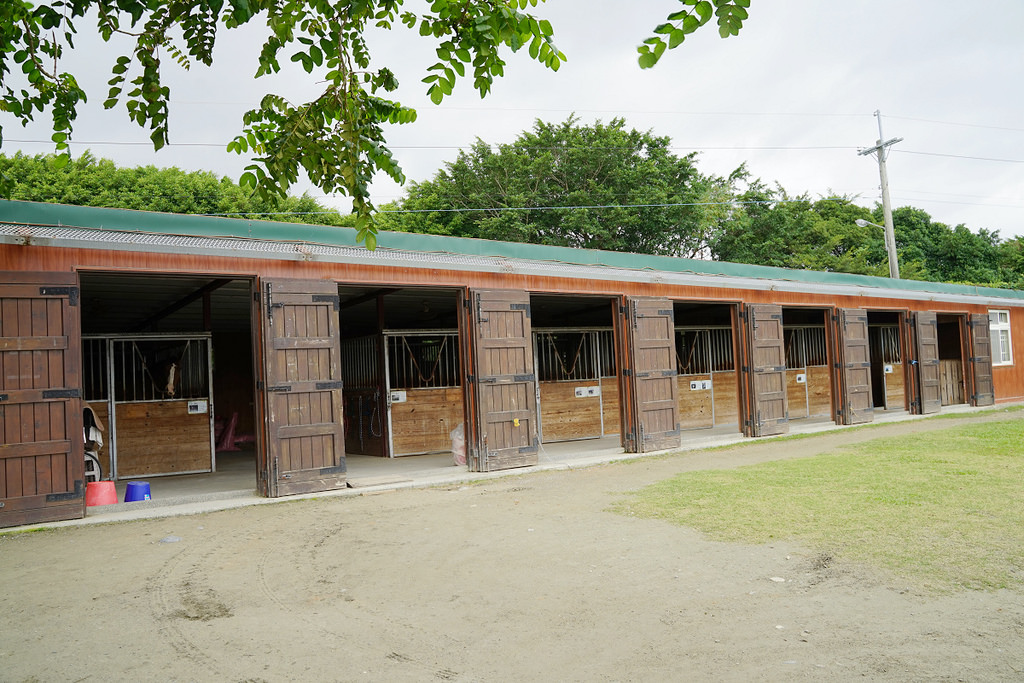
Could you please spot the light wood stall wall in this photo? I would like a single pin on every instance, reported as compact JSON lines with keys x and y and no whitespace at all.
{"x":727,"y":400}
{"x":565,"y":416}
{"x":951,"y":382}
{"x":424,"y":421}
{"x":819,"y":389}
{"x":813,"y":398}
{"x":695,"y":405}
{"x":796,"y":394}
{"x":695,"y":409}
{"x":895,"y":388}
{"x":161,"y":438}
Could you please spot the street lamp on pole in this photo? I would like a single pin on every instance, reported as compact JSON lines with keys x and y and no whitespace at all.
{"x":890,"y":245}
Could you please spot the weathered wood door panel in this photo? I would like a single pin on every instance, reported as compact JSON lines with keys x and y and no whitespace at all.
{"x":855,"y":367}
{"x":504,"y":381}
{"x":305,"y":447}
{"x":652,"y":350}
{"x":982,"y":388}
{"x":41,"y":450}
{"x":929,"y":389}
{"x":767,"y":372}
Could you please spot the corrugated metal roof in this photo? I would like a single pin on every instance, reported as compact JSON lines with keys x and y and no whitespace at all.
{"x":122,"y":220}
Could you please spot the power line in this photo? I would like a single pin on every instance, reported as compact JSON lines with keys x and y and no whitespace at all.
{"x":948,"y":201}
{"x":462,"y":147}
{"x":123,"y":143}
{"x":617,"y":206}
{"x":541,"y":208}
{"x":954,"y":123}
{"x":959,"y":156}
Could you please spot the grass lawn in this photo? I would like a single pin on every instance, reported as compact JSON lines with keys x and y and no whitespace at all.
{"x":944,"y":510}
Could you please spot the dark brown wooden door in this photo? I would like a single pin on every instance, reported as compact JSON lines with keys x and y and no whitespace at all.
{"x":41,"y":446}
{"x":652,"y":355}
{"x":504,"y":382}
{"x":855,"y":367}
{"x":767,"y":371}
{"x":305,"y":446}
{"x":929,"y":391}
{"x":983,"y":390}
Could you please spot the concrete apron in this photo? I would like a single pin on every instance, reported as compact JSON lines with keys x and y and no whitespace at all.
{"x":226,"y":489}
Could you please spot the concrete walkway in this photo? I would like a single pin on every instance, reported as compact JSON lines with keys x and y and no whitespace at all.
{"x":233,"y":485}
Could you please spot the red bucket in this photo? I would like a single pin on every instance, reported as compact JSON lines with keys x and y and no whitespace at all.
{"x":100,"y":493}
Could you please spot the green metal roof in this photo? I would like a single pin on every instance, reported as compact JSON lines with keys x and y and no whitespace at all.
{"x":123,"y":220}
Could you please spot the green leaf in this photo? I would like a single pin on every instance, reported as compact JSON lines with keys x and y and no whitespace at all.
{"x":647,"y":60}
{"x":704,"y":11}
{"x":676,"y":37}
{"x":248,"y":181}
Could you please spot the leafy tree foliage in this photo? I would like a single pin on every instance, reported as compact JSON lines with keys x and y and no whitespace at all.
{"x":595,"y":186}
{"x":336,"y":140}
{"x":937,"y":252}
{"x":767,"y":226}
{"x":88,"y":181}
{"x":729,"y":14}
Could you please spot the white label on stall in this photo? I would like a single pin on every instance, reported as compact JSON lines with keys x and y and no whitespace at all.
{"x":197,"y":407}
{"x":801,"y":378}
{"x":398,"y":397}
{"x":888,"y":369}
{"x":700,"y":385}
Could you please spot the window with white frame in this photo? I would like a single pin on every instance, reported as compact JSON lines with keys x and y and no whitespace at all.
{"x":999,"y":324}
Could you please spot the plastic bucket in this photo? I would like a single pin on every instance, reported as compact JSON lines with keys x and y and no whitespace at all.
{"x":100,"y":493}
{"x":136,"y":490}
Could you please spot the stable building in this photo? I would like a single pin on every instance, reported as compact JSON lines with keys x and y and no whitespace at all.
{"x":190,"y":336}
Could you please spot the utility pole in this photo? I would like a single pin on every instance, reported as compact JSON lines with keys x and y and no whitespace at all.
{"x":881,"y":151}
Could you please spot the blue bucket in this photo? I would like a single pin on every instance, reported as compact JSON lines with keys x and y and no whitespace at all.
{"x":136,"y":490}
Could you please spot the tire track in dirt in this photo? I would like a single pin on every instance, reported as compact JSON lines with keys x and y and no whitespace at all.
{"x":306,"y":574}
{"x":184,"y":596}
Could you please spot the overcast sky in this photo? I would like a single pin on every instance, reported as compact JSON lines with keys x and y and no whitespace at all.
{"x":793,"y":96}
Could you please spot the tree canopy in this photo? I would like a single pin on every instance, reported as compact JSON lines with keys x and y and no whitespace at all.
{"x":88,"y":181}
{"x":336,"y":140}
{"x":597,"y":186}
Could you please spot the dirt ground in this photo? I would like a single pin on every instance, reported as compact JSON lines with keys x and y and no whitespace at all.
{"x":522,"y":578}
